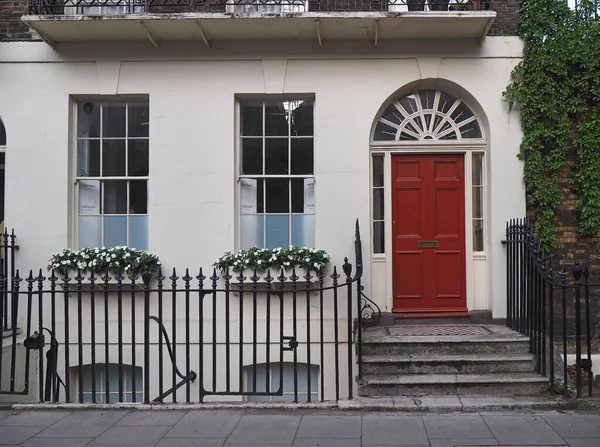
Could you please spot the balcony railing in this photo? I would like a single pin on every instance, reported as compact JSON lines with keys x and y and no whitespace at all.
{"x":121,"y":7}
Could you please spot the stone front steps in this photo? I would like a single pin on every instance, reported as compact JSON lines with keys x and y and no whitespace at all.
{"x":495,"y":362}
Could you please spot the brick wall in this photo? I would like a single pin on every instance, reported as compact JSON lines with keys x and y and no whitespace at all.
{"x":507,"y":17}
{"x":571,"y":247}
{"x":11,"y":27}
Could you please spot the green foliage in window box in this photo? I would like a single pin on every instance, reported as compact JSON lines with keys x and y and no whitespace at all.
{"x":262,"y":259}
{"x":100,"y":260}
{"x":557,"y":87}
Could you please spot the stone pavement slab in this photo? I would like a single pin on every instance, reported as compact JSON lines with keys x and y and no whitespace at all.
{"x":463,"y":442}
{"x":458,"y":427}
{"x":16,"y":435}
{"x":132,"y":435}
{"x":522,"y":430}
{"x":584,"y":442}
{"x":393,"y":430}
{"x":57,"y":442}
{"x":265,"y":430}
{"x":313,"y":442}
{"x":575,"y":425}
{"x":206,"y":424}
{"x":152,"y":417}
{"x":34,"y":418}
{"x":329,"y":427}
{"x":191,"y":442}
{"x":84,"y":424}
{"x":5,"y":413}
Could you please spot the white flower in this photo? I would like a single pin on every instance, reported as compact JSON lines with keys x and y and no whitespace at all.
{"x":259,"y":262}
{"x":286,"y":263}
{"x":316,"y":265}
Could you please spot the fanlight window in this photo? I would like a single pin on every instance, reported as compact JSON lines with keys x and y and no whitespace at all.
{"x":427,"y":115}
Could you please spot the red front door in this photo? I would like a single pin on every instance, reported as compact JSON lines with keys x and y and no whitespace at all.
{"x":429,"y":234}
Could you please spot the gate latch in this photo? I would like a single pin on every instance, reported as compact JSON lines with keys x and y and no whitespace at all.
{"x":36,"y":341}
{"x":292,"y":344}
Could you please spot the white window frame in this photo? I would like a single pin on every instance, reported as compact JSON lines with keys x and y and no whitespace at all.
{"x":78,"y":180}
{"x":246,"y":189}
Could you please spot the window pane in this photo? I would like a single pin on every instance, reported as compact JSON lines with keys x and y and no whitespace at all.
{"x":303,"y":230}
{"x":302,"y":118}
{"x":137,"y":158}
{"x":276,"y":156}
{"x":276,"y":118}
{"x":278,"y":231}
{"x":378,"y":237}
{"x":138,"y":197}
{"x":252,"y":156}
{"x":378,"y":170}
{"x":139,"y":119}
{"x":303,"y":195}
{"x":251,"y":231}
{"x":302,"y":156}
{"x":138,"y":232}
{"x":251,"y":196}
{"x":446,"y":102}
{"x":277,"y":195}
{"x":477,"y":202}
{"x":384,"y":132}
{"x":90,"y":231}
{"x":477,"y":169}
{"x":113,"y":158}
{"x":88,"y":158}
{"x":89,"y":197}
{"x":393,"y":115}
{"x":378,"y":204}
{"x":409,"y":103}
{"x":115,"y":231}
{"x":461,"y":113}
{"x":478,"y":235}
{"x":470,"y":130}
{"x":88,"y":120}
{"x":113,"y":119}
{"x":252,"y":117}
{"x":115,"y":197}
{"x":261,"y":378}
{"x":427,"y":98}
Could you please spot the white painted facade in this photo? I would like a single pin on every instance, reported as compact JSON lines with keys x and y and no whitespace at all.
{"x":192,"y":92}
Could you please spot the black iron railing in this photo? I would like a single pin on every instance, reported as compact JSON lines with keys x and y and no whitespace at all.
{"x":152,"y":338}
{"x":8,"y":246}
{"x":118,"y":7}
{"x":550,"y":307}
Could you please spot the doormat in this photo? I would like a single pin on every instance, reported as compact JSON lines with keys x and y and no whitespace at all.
{"x":436,"y":330}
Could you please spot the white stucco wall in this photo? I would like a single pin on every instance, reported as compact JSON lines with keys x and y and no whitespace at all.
{"x":192,"y":93}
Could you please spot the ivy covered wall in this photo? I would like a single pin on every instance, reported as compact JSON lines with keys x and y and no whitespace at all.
{"x":557,"y":89}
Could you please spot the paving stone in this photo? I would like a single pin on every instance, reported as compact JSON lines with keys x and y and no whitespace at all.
{"x":393,"y":430}
{"x":132,"y":435}
{"x":191,"y":442}
{"x":82,"y":424}
{"x":265,"y":430}
{"x":57,"y":442}
{"x":5,"y":414}
{"x":313,"y":442}
{"x":522,"y":430}
{"x":17,"y":435}
{"x":462,"y":442}
{"x":584,"y":442}
{"x":34,"y":418}
{"x":457,"y":427}
{"x":329,"y":427}
{"x":575,"y":425}
{"x":152,"y":417}
{"x":206,"y":424}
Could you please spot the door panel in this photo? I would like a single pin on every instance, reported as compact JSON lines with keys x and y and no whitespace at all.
{"x":429,"y":233}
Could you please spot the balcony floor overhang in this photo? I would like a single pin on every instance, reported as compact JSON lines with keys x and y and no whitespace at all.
{"x":208,"y":27}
